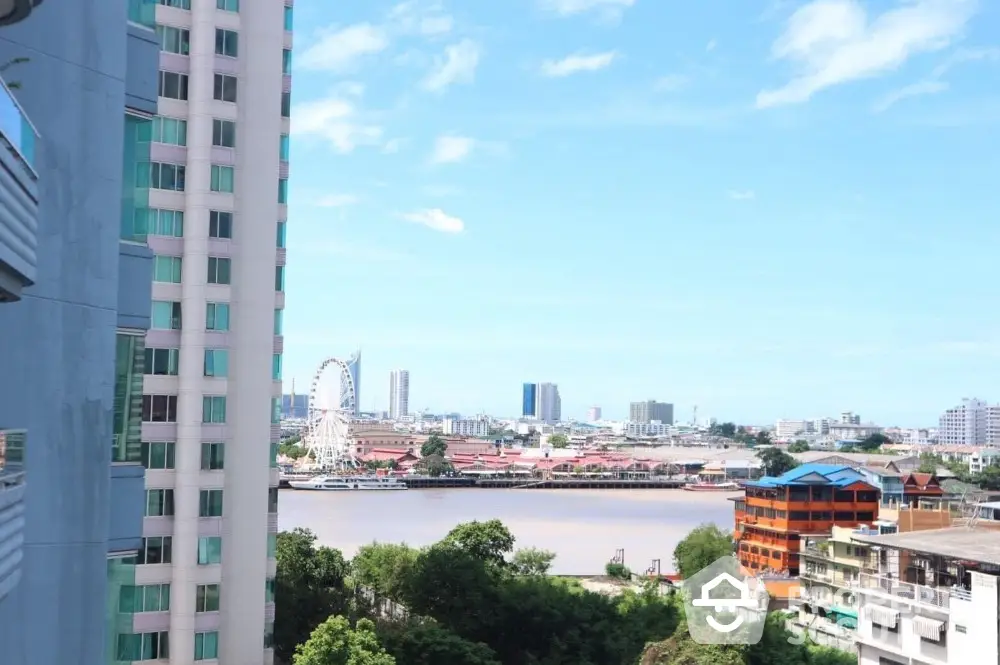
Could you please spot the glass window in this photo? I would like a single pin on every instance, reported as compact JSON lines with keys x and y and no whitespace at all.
{"x":224,"y":133}
{"x":213,"y":456}
{"x":135,"y":181}
{"x":142,"y":12}
{"x":286,"y":61}
{"x":286,"y":104}
{"x":207,"y":599}
{"x":159,"y":503}
{"x":127,"y":418}
{"x":269,"y":635}
{"x":283,"y":148}
{"x":173,"y":85}
{"x":219,"y":270}
{"x":282,"y":190}
{"x":288,"y":17}
{"x":209,"y":550}
{"x":131,"y":647}
{"x":217,"y":316}
{"x":269,"y":590}
{"x":216,"y":362}
{"x":166,"y":315}
{"x":164,"y":176}
{"x":225,"y":88}
{"x":174,"y":40}
{"x":158,"y":454}
{"x":276,"y":367}
{"x":223,"y":178}
{"x":272,"y":545}
{"x":281,"y":235}
{"x":275,"y":410}
{"x":278,"y":321}
{"x":220,"y":224}
{"x":171,"y":131}
{"x":226,"y":43}
{"x":162,"y":362}
{"x":228,"y":5}
{"x":210,"y":503}
{"x":179,"y":4}
{"x":167,"y":269}
{"x":274,"y":455}
{"x":169,"y":223}
{"x":213,"y":409}
{"x":206,"y":645}
{"x":159,"y":408}
{"x":279,"y":278}
{"x":272,"y":500}
{"x":156,"y":549}
{"x":145,"y":598}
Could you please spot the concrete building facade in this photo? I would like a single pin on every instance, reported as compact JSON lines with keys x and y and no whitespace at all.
{"x":87,"y":75}
{"x":399,"y":393}
{"x":651,"y":411}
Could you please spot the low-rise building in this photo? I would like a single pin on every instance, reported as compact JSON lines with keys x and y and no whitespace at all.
{"x":466,"y":426}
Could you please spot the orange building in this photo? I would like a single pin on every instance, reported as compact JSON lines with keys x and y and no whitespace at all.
{"x":809,"y":500}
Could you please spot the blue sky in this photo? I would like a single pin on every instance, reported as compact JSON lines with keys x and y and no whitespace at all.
{"x":768,"y":209}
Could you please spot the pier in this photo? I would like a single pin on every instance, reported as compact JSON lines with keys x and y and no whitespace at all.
{"x":442,"y":482}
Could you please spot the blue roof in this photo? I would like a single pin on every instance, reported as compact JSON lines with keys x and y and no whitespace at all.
{"x":836,"y":475}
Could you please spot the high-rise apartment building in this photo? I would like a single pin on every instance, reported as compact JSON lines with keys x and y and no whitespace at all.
{"x":399,"y":393}
{"x":966,"y":424}
{"x":216,"y":217}
{"x":71,"y":482}
{"x":593,"y":414}
{"x":651,"y":411}
{"x":548,"y":406}
{"x":529,"y":395}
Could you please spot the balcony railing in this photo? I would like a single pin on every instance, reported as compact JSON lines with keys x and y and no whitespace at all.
{"x":16,"y":129}
{"x":913,"y":593}
{"x":12,"y":490}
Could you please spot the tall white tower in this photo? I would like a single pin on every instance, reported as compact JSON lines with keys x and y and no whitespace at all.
{"x":399,"y":393}
{"x":548,"y":408}
{"x":216,"y":220}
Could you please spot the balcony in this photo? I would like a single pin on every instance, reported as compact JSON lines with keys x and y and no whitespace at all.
{"x":12,"y":11}
{"x":11,"y":507}
{"x":893,"y":589}
{"x":18,"y":197}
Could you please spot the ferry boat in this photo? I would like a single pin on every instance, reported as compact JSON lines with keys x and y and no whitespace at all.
{"x":348,"y":483}
{"x":713,"y":487}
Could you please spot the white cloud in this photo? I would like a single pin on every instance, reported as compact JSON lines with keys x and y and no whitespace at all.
{"x":835,"y":42}
{"x":933,"y":84}
{"x":458,"y":65}
{"x":336,"y":120}
{"x":670,"y":83}
{"x":572,"y":7}
{"x":337,"y":200}
{"x":349,"y":89}
{"x":578,"y":63}
{"x":392,"y":146}
{"x":436,"y":219}
{"x":742,"y":194}
{"x":338,"y":50}
{"x":412,"y":17}
{"x":710,"y":46}
{"x":436,"y":25}
{"x":451,"y":148}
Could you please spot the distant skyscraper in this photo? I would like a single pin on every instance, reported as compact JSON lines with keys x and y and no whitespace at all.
{"x":354,"y":365}
{"x":399,"y":393}
{"x":593,"y":414}
{"x":548,"y":405}
{"x":528,"y":397}
{"x":650,"y":410}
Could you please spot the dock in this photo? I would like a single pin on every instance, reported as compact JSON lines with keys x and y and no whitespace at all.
{"x":442,"y":482}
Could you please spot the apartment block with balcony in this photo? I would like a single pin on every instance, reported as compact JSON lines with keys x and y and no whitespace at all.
{"x":932,"y":601}
{"x":777,"y":512}
{"x":81,"y":519}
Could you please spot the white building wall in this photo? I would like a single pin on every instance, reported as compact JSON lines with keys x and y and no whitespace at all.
{"x":399,"y":393}
{"x":964,"y":425}
{"x":466,"y":427}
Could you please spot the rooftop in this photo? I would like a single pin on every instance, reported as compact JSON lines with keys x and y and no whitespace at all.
{"x":837,"y":475}
{"x":961,"y":543}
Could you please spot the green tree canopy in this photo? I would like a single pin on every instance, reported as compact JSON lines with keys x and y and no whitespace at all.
{"x":874,"y":442}
{"x":532,"y":561}
{"x":490,"y":541}
{"x":434,"y":465}
{"x":334,"y":642}
{"x":558,"y":441}
{"x":727,"y":430}
{"x":434,"y":445}
{"x":308,"y":588}
{"x":798,"y":446}
{"x":384,"y":568}
{"x":701,"y":547}
{"x":776,"y":461}
{"x":425,"y":642}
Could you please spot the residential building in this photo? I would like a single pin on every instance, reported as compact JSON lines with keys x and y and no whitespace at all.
{"x":75,"y":283}
{"x":932,"y":600}
{"x":466,"y":426}
{"x":548,"y":406}
{"x":216,"y":215}
{"x":965,"y":424}
{"x":647,"y":429}
{"x":399,"y":393}
{"x":789,"y":429}
{"x":775,"y":512}
{"x":651,"y":411}
{"x":889,"y":483}
{"x":529,"y":395}
{"x":593,"y":414}
{"x":921,"y":486}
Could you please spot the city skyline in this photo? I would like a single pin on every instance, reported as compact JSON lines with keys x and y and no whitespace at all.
{"x":798,"y":217}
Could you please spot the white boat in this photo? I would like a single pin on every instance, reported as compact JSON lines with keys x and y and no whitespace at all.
{"x":348,"y":483}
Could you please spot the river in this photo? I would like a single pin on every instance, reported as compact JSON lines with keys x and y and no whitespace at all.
{"x":583,"y":527}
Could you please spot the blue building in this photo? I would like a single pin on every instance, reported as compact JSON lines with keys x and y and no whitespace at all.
{"x":73,"y":256}
{"x":529,"y":394}
{"x":888,"y":481}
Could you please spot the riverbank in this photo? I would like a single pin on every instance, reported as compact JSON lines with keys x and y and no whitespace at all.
{"x":443,"y":482}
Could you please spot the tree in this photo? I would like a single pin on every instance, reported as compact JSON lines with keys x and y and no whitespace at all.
{"x":309,"y":587}
{"x":532,"y":561}
{"x":929,"y":463}
{"x":489,"y":542}
{"x":425,"y":642}
{"x":701,"y":547}
{"x":727,"y":430}
{"x":873,"y":442}
{"x":558,"y":441}
{"x":434,"y":445}
{"x":776,"y":461}
{"x":292,"y":449}
{"x":763,"y":438}
{"x":799,"y":446}
{"x":384,"y":568}
{"x":334,"y":642}
{"x":434,"y":465}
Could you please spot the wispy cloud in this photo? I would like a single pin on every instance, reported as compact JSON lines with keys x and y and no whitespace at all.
{"x":710,"y":46}
{"x":933,"y":83}
{"x":451,"y":148}
{"x":574,"y":64}
{"x":417,"y":18}
{"x":337,"y":200}
{"x":436,"y":219}
{"x":457,"y":65}
{"x":339,"y":49}
{"x":918,"y":89}
{"x":742,"y":194}
{"x":835,"y":42}
{"x":610,"y":10}
{"x":338,"y":120}
{"x":392,"y":146}
{"x":670,"y":83}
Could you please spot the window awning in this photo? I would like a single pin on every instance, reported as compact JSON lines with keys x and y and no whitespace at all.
{"x":929,"y":629}
{"x":883,"y":616}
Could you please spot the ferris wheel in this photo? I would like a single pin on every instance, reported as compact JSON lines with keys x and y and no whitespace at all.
{"x":327,"y":436}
